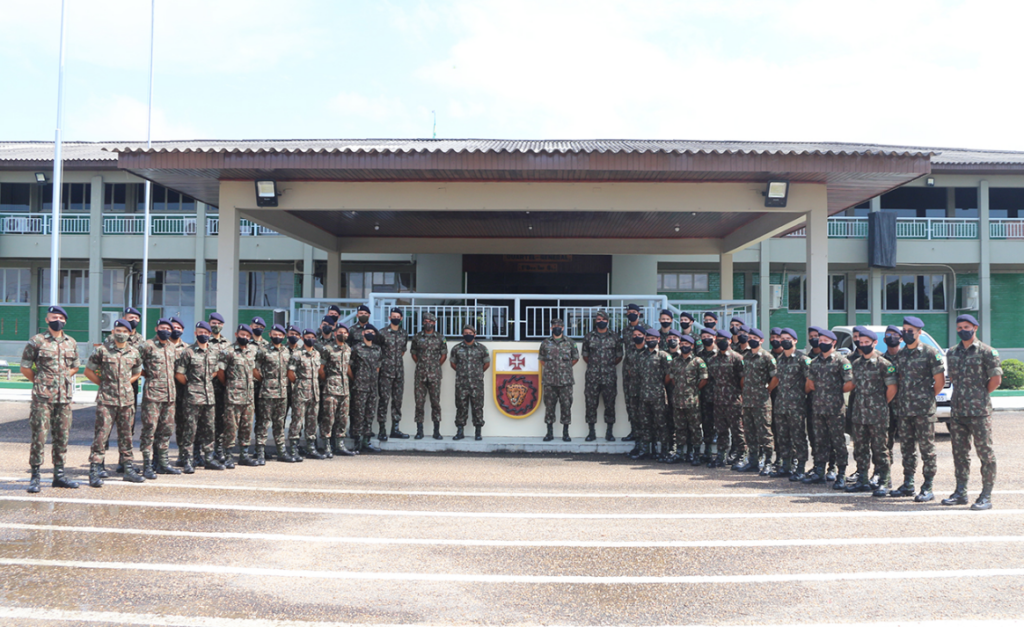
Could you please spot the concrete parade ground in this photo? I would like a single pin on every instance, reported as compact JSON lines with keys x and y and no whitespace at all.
{"x":502,"y":539}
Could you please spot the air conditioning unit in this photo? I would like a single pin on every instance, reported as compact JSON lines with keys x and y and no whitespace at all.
{"x":969,"y":297}
{"x":775,"y":297}
{"x":281,"y":317}
{"x":107,"y":320}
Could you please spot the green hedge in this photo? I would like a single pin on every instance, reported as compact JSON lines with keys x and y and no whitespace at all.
{"x":1013,"y":375}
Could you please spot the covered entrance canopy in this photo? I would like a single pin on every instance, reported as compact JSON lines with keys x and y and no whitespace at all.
{"x":527,"y":197}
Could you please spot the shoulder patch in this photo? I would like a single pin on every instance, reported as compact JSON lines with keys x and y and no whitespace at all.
{"x":807,"y":360}
{"x":938,"y":357}
{"x":995,"y":353}
{"x":847,"y":366}
{"x":703,"y":365}
{"x":773,"y":360}
{"x":891,"y":369}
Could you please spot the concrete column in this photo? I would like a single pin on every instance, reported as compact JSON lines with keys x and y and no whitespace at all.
{"x":952,"y":313}
{"x":950,"y":202}
{"x":332,"y":283}
{"x":875,"y":284}
{"x":227,"y":265}
{"x":817,"y":267}
{"x":851,"y":298}
{"x":200,"y":261}
{"x":308,"y":274}
{"x":984,"y":265}
{"x":95,"y":260}
{"x":764,"y":287}
{"x":33,"y":300}
{"x":725,"y":270}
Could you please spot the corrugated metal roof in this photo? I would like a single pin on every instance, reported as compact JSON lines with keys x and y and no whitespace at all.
{"x":73,"y":151}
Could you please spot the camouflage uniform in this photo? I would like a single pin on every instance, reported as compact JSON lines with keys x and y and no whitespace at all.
{"x":365,"y":364}
{"x":758,"y":371}
{"x":894,"y":420}
{"x":791,"y":406}
{"x":707,"y":401}
{"x":180,"y":392}
{"x":305,"y":392}
{"x":629,"y":354}
{"x":199,"y":365}
{"x":969,"y":371}
{"x":238,"y":363}
{"x":391,"y":383}
{"x":687,"y":371}
{"x":335,"y":403}
{"x":272,"y":362}
{"x":558,"y":355}
{"x":469,"y":361}
{"x":914,"y":405}
{"x":53,"y":360}
{"x":355,"y":335}
{"x":602,"y":351}
{"x":829,"y":375}
{"x":260,"y":344}
{"x":136,"y":341}
{"x":726,"y":369}
{"x":218,"y":343}
{"x":871,"y":376}
{"x":651,"y":369}
{"x":159,"y":396}
{"x":114,"y":401}
{"x":428,"y":349}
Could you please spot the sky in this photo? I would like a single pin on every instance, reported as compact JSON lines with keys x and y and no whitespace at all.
{"x":939,"y":73}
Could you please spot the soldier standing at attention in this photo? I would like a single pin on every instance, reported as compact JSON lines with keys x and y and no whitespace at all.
{"x":178,"y":330}
{"x":631,"y":385}
{"x":707,"y":393}
{"x":667,"y":449}
{"x":429,"y":351}
{"x":726,"y":368}
{"x":366,"y":358}
{"x":337,"y":369}
{"x":794,"y":372}
{"x":874,"y":378}
{"x":686,"y":321}
{"x":305,"y":373}
{"x":355,"y":332}
{"x":272,"y":373}
{"x":259,"y":342}
{"x":558,"y":354}
{"x":665,"y":321}
{"x":893,"y":338}
{"x":688,"y":375}
{"x":920,"y":375}
{"x":217,"y":343}
{"x":114,"y":367}
{"x":602,"y":351}
{"x":775,"y":341}
{"x":652,"y":371}
{"x":196,"y":369}
{"x":759,"y":379}
{"x":235,"y":372}
{"x":831,"y":376}
{"x":632,"y":324}
{"x":158,"y":401}
{"x":135,"y":340}
{"x":469,"y":360}
{"x":50,"y":363}
{"x":975,"y":373}
{"x":391,"y":386}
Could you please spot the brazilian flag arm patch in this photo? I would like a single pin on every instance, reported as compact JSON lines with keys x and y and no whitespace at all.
{"x":847,"y":366}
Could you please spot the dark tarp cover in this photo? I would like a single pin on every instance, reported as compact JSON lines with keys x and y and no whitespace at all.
{"x":882,"y":239}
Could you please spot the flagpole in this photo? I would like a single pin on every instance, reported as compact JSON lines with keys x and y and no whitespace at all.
{"x":58,"y":172}
{"x":149,"y":185}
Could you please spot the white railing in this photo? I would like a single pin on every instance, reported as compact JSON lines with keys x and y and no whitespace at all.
{"x":307,"y":313}
{"x":21,"y":224}
{"x":1006,"y":228}
{"x":937,"y":228}
{"x":726,"y":310}
{"x":848,"y":227}
{"x":123,"y":224}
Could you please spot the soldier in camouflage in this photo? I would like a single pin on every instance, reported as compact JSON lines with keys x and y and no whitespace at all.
{"x":759,"y":379}
{"x":196,"y":369}
{"x":920,"y":375}
{"x":469,"y":359}
{"x":707,"y":352}
{"x":631,"y":385}
{"x":272,"y":373}
{"x":775,"y":340}
{"x":602,"y":351}
{"x":135,"y":340}
{"x":235,"y":372}
{"x":875,"y":380}
{"x":794,"y":372}
{"x":391,"y":385}
{"x":831,"y":377}
{"x":259,"y":342}
{"x":668,"y":449}
{"x":177,"y":331}
{"x":365,"y":360}
{"x":429,"y":350}
{"x":337,"y":368}
{"x":159,"y":396}
{"x":217,"y":343}
{"x":558,"y":354}
{"x":50,"y":362}
{"x":687,"y":374}
{"x":114,"y":367}
{"x":975,"y":372}
{"x":893,"y":339}
{"x":652,"y":369}
{"x":355,"y":332}
{"x":305,"y":374}
{"x":726,"y":368}
{"x":628,"y":369}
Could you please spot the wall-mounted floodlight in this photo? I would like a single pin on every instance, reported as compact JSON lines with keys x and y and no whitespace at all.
{"x":930,"y":182}
{"x":266,"y":193}
{"x":776,"y":193}
{"x":40,"y":177}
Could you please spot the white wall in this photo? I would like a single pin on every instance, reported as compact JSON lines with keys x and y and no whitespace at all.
{"x":439,"y":273}
{"x":634,"y":274}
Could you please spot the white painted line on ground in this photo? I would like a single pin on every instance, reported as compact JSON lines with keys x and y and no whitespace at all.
{"x":672,"y":544}
{"x":514,"y":515}
{"x":213,"y":569}
{"x":169,"y":483}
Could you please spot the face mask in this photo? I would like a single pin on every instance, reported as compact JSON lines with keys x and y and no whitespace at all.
{"x":327,"y":329}
{"x":813,"y":342}
{"x":908,"y":337}
{"x":369,"y":336}
{"x":333,"y":318}
{"x":243,"y":341}
{"x":685,"y":349}
{"x":734,"y":330}
{"x":786,"y":345}
{"x":396,"y":321}
{"x":202,"y":339}
{"x":556,"y":331}
{"x":632,"y":317}
{"x":965,"y":334}
{"x":651,"y":343}
{"x":120,"y":338}
{"x":673,"y":343}
{"x":707,"y":341}
{"x":754,"y":344}
{"x":293,"y":340}
{"x":710,"y":325}
{"x":638,"y":340}
{"x":892,"y":341}
{"x":275,"y":340}
{"x":55,"y":325}
{"x":163,"y":335}
{"x":776,"y":344}
{"x":175,"y":334}
{"x":216,"y":327}
{"x":363,"y":318}
{"x":308,"y":341}
{"x":428,"y":326}
{"x":468,"y":337}
{"x":601,"y":324}
{"x":744,"y":338}
{"x":722,"y":344}
{"x":825,"y":347}
{"x":134,"y":323}
{"x":665,"y":325}
{"x":257,"y":332}
{"x":867,"y":350}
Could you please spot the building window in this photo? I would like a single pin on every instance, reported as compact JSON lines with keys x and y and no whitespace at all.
{"x":113,"y":287}
{"x":115,"y":197}
{"x":360,"y":284}
{"x":266,"y":289}
{"x":683,"y":281}
{"x":74,"y":287}
{"x":837,"y":293}
{"x":15,"y":197}
{"x":14,"y":285}
{"x":922,"y":292}
{"x":75,"y":197}
{"x":168,"y":200}
{"x":172,"y":288}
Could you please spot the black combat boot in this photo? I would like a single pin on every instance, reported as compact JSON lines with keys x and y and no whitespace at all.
{"x":783,"y":469}
{"x":261,"y":454}
{"x":147,"y":467}
{"x":120,"y":468}
{"x":591,"y":433}
{"x":186,"y":463}
{"x":94,"y":476}
{"x":33,"y":482}
{"x":437,"y":431}
{"x":218,"y":451}
{"x":830,"y":474}
{"x":767,"y":468}
{"x":212,"y":463}
{"x":608,"y":434}
{"x":326,"y":450}
{"x":163,"y":464}
{"x":840,"y":482}
{"x":459,"y":433}
{"x":103,"y":471}
{"x":647,"y":451}
{"x":479,"y":434}
{"x":695,"y":459}
{"x":719,"y":461}
{"x":367,"y":447}
{"x":750,"y":465}
{"x":245,"y":460}
{"x":382,"y":434}
{"x":551,"y":433}
{"x":926,"y":492}
{"x":130,"y":474}
{"x":229,"y":461}
{"x":634,"y":453}
{"x":60,"y":481}
{"x":181,"y":458}
{"x":798,"y":471}
{"x":734,"y":456}
{"x":907,"y":489}
{"x":343,"y":450}
{"x":817,"y":475}
{"x":632,"y":434}
{"x":862,"y":484}
{"x":337,"y":441}
{"x":884,"y":483}
{"x":396,"y":434}
{"x":565,"y":434}
{"x":286,"y":452}
{"x":984,"y":501}
{"x":419,"y":430}
{"x":959,"y":497}
{"x":311,"y":452}
{"x":199,"y":459}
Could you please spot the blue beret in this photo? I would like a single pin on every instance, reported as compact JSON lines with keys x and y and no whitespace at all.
{"x":737,"y":320}
{"x":639,"y":328}
{"x":711,"y":314}
{"x":868,"y":333}
{"x":177,"y":320}
{"x":121,"y":322}
{"x":244,"y":327}
{"x":334,"y":308}
{"x":892,"y":328}
{"x":788,"y":331}
{"x":688,"y":338}
{"x":57,"y":309}
{"x":744,"y":328}
{"x":397,"y":311}
{"x":913,"y":321}
{"x":724,"y":333}
{"x":370,"y":327}
{"x":968,"y":318}
{"x":862,"y":329}
{"x":308,"y":332}
{"x":707,"y":330}
{"x":633,"y":306}
{"x":216,"y":316}
{"x":166,"y":321}
{"x":675,"y":333}
{"x":341,"y":326}
{"x":292,"y":327}
{"x":817,"y":330}
{"x":688,"y":316}
{"x":665,"y":312}
{"x":776,"y":331}
{"x":653,"y":332}
{"x":204,"y":325}
{"x":132,"y":310}
{"x":278,"y":327}
{"x":259,"y":321}
{"x":830,"y":335}
{"x":756,"y":333}
{"x":363,"y":308}
{"x":329,"y":320}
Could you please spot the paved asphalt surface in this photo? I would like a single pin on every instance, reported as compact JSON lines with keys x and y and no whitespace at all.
{"x":456,"y":539}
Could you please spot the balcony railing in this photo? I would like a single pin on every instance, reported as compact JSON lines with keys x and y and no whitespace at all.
{"x":844,"y":227}
{"x":1006,"y":228}
{"x":121,"y":224}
